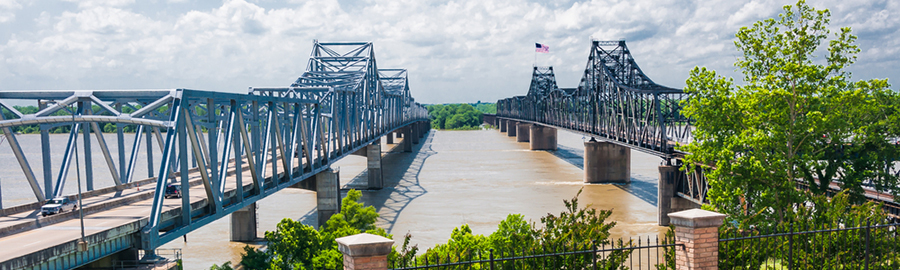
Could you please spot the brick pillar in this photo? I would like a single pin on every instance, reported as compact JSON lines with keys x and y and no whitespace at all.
{"x":365,"y":251}
{"x":698,"y":231}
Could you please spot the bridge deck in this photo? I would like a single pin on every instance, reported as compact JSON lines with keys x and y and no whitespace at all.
{"x":33,"y":234}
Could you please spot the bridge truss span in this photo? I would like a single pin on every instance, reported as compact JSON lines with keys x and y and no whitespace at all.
{"x":241,"y":147}
{"x":615,"y":101}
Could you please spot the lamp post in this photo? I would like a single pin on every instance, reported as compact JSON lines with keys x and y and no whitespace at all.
{"x":82,"y":243}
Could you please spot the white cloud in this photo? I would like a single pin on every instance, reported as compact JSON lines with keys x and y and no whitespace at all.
{"x":8,"y":10}
{"x":457,"y":51}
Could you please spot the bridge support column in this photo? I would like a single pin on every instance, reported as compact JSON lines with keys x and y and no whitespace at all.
{"x":373,"y":160}
{"x":503,"y":123}
{"x":243,"y":224}
{"x":542,"y":138}
{"x":328,"y":194}
{"x":399,"y":133}
{"x":523,"y":132}
{"x":667,"y":176}
{"x":390,"y":137}
{"x":511,"y":129}
{"x":606,"y":162}
{"x":407,"y":138}
{"x":414,"y":132}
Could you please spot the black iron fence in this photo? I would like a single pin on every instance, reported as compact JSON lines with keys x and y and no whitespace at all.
{"x":842,"y":246}
{"x":638,"y":253}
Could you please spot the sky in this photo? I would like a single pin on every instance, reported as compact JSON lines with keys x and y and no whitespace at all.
{"x":454,"y":51}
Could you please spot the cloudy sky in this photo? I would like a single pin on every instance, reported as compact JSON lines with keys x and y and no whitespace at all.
{"x":456,"y":51}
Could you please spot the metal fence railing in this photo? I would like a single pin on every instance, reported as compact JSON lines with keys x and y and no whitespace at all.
{"x":632,"y":254}
{"x":168,"y":258}
{"x":843,"y":246}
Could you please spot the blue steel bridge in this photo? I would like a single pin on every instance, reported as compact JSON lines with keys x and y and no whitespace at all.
{"x":621,"y":109}
{"x":226,"y":150}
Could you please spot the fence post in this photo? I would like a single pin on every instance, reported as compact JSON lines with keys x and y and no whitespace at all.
{"x":868,"y":226}
{"x":365,"y":251}
{"x":697,"y":236}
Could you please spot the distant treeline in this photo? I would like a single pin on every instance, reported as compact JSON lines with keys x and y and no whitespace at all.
{"x":459,"y":116}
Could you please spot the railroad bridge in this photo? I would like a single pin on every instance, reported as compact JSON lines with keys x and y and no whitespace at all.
{"x":226,"y":150}
{"x":621,"y":109}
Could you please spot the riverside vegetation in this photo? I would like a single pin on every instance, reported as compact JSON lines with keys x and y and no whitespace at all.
{"x":294,"y":245}
{"x":459,"y":116}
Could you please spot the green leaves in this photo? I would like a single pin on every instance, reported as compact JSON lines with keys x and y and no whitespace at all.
{"x":455,"y":116}
{"x":796,"y":118}
{"x":294,"y":245}
{"x":576,"y":228}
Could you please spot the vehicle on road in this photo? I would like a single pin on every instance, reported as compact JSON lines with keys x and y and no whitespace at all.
{"x":173,"y":190}
{"x":58,"y":205}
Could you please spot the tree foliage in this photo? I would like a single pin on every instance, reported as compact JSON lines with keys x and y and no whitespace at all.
{"x":576,"y":228}
{"x":454,"y":116}
{"x":486,"y":108}
{"x":294,"y":245}
{"x":796,"y":117}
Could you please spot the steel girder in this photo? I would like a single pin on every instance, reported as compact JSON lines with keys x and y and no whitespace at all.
{"x":281,"y":136}
{"x":615,"y":100}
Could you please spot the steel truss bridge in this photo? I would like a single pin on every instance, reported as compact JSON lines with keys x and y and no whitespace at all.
{"x":617,"y":102}
{"x":614,"y":101}
{"x":275,"y":137}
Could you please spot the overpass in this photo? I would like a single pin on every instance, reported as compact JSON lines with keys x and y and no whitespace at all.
{"x":226,"y":150}
{"x":621,"y":106}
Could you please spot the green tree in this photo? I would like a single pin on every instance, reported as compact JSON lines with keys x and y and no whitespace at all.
{"x":454,"y":116}
{"x":294,"y":245}
{"x":795,"y":118}
{"x":575,"y":228}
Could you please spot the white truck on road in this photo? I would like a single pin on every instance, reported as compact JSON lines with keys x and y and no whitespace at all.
{"x":58,"y":205}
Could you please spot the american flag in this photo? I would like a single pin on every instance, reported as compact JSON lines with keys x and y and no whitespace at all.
{"x":541,"y":48}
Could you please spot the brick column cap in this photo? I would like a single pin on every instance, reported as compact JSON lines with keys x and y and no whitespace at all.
{"x":364,"y":245}
{"x":696,"y":218}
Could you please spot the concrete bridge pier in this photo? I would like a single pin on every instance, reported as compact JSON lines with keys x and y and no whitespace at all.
{"x":328,"y":194}
{"x":414,"y":133}
{"x":373,"y":161}
{"x":606,"y":162}
{"x":542,"y":138}
{"x":407,"y":138}
{"x":511,"y":128}
{"x":423,"y":129}
{"x":503,"y":124}
{"x":667,"y":176}
{"x":372,"y":153}
{"x":390,"y":137}
{"x":523,"y":132}
{"x":244,"y":224}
